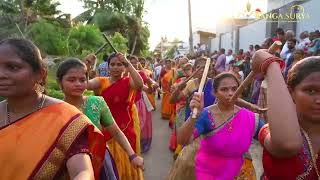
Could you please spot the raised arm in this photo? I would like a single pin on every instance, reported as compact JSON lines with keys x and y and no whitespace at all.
{"x":136,"y":81}
{"x":285,"y":138}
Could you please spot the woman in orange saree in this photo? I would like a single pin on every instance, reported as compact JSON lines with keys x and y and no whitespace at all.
{"x":167,"y":78}
{"x":53,"y":137}
{"x":119,"y":93}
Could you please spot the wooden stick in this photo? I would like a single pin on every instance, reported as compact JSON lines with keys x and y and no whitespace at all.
{"x":110,"y":44}
{"x":202,"y":82}
{"x":273,"y":48}
{"x":20,"y":31}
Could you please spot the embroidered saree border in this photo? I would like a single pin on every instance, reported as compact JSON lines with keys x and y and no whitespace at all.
{"x":55,"y":157}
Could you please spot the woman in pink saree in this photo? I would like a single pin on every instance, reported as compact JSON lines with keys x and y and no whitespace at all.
{"x":227,"y":132}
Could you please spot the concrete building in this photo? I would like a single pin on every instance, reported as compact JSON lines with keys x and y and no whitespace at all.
{"x":296,"y":15}
{"x":203,"y":38}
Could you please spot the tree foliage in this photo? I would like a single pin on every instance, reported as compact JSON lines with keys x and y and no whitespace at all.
{"x":83,"y":39}
{"x":123,"y":16}
{"x":50,"y":37}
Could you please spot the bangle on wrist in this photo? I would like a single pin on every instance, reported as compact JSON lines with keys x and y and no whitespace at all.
{"x":264,"y":66}
{"x":132,"y":157}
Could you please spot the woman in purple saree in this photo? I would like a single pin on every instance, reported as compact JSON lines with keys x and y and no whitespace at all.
{"x":227,"y":130}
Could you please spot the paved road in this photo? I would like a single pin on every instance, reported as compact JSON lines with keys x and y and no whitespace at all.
{"x":159,"y":159}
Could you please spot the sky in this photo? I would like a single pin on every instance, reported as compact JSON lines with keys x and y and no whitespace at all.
{"x":170,"y":17}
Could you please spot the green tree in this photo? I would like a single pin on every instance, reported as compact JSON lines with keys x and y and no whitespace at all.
{"x":124,"y":16}
{"x":49,"y":37}
{"x":84,"y":39}
{"x":22,"y":13}
{"x":119,"y":42}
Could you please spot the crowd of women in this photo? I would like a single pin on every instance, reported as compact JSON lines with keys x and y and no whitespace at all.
{"x":103,"y":136}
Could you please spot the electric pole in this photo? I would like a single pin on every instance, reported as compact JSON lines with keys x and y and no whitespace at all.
{"x":190,"y":30}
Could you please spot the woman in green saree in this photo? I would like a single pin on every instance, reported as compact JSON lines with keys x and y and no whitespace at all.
{"x":72,"y":77}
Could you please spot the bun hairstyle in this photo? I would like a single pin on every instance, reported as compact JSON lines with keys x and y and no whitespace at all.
{"x":303,"y":69}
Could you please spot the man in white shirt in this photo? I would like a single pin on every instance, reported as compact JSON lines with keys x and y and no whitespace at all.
{"x":229,"y":58}
{"x":289,"y":35}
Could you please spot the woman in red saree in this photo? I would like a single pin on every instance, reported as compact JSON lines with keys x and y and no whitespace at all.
{"x":167,"y":77}
{"x":291,"y":140}
{"x":119,"y":93}
{"x":41,"y":137}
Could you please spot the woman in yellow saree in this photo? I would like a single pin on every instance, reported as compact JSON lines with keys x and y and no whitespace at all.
{"x":41,"y":137}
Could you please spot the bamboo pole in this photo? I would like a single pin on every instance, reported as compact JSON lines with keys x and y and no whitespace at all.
{"x":202,"y":82}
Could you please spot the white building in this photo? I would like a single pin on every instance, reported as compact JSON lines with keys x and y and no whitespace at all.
{"x":240,"y":35}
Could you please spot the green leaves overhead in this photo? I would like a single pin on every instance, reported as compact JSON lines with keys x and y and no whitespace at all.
{"x":49,"y":37}
{"x":123,"y":16}
{"x":84,"y":38}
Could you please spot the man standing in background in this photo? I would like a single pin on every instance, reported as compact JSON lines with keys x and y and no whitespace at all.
{"x":220,"y":65}
{"x":103,"y":67}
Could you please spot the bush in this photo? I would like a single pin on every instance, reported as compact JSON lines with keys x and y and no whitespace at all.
{"x":49,"y":37}
{"x":84,"y":38}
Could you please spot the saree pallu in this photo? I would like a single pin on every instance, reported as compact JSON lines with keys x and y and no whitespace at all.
{"x":44,"y":139}
{"x":145,"y":126}
{"x":120,"y":99}
{"x":217,"y":157}
{"x":152,"y":99}
{"x":166,"y":82}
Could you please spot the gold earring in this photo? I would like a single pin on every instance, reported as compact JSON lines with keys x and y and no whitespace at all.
{"x":39,"y":88}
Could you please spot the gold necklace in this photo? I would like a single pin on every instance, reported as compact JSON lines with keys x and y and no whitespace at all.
{"x":313,"y":155}
{"x":229,"y":124}
{"x":40,"y":105}
{"x":82,"y":107}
